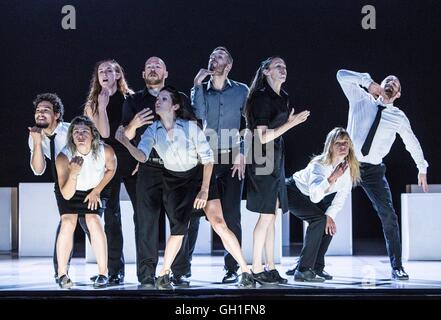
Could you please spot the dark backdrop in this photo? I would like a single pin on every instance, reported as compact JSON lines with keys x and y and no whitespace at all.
{"x":316,"y":38}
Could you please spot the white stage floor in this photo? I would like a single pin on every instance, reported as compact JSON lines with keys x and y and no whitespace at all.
{"x":350,"y":273}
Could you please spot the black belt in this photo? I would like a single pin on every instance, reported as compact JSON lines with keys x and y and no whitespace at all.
{"x":155,"y":160}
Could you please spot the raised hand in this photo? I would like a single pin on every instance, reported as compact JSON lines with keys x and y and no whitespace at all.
{"x":103,"y":98}
{"x":202,"y":74}
{"x":36,"y":134}
{"x":376,"y":90}
{"x":143,"y":117}
{"x":295,"y":119}
{"x":75,"y":166}
{"x":338,"y":171}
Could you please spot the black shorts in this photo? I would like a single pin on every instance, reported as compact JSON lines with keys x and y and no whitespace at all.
{"x":76,"y":204}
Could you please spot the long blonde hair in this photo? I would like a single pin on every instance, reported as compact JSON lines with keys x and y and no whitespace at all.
{"x":326,"y":156}
{"x":95,"y":87}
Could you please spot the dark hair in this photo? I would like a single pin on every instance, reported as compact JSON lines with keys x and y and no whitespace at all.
{"x":94,"y":131}
{"x":259,"y":81}
{"x":55,"y":100}
{"x":230,"y":57}
{"x":176,"y":97}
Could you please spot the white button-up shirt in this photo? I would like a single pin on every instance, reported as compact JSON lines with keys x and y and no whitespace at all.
{"x":180,"y":152}
{"x":362,"y":111}
{"x":60,"y":142}
{"x":313,"y":182}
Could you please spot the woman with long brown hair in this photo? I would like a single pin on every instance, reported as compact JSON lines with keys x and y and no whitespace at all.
{"x":269,"y":116}
{"x":316,"y":194}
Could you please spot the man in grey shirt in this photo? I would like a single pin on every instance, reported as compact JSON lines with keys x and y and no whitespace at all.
{"x":219,"y":103}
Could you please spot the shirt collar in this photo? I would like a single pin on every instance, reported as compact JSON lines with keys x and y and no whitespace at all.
{"x":179,"y":122}
{"x":227,"y":83}
{"x":271,"y":92}
{"x":379,"y":101}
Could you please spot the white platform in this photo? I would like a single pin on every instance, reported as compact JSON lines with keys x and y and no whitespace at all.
{"x":421,"y":226}
{"x":6,"y":219}
{"x":38,"y":219}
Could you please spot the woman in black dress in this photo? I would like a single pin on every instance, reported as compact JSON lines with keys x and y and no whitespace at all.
{"x":268,"y":116}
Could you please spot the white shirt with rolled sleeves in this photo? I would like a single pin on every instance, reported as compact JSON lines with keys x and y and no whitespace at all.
{"x":313,"y":182}
{"x":362,"y":111}
{"x":60,"y":142}
{"x":180,"y":152}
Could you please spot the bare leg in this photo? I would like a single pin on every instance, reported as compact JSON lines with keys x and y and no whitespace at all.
{"x":269,"y":241}
{"x":65,"y":241}
{"x":98,"y":241}
{"x":259,"y":238}
{"x":214,"y":213}
{"x":171,"y":250}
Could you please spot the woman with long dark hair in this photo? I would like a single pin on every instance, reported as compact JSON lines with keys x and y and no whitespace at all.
{"x":268,"y":116}
{"x":187,"y":184}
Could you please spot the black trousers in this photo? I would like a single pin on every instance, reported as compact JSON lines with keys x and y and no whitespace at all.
{"x":230,"y":192}
{"x":82,"y":222}
{"x":316,"y":241}
{"x":112,"y":213}
{"x":375,"y":185}
{"x":149,"y":189}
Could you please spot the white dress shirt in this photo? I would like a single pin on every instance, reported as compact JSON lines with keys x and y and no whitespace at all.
{"x":313,"y":182}
{"x":92,"y":170}
{"x":60,"y":142}
{"x":362,"y":111}
{"x":180,"y":152}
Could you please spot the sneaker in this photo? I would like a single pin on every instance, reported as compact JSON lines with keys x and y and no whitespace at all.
{"x":263,"y":277}
{"x":230,"y":277}
{"x":163,"y":282}
{"x":246,"y":280}
{"x":101,"y":281}
{"x":276,"y":276}
{"x":180,"y":281}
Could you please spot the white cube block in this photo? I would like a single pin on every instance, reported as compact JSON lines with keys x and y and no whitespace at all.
{"x":421,"y":225}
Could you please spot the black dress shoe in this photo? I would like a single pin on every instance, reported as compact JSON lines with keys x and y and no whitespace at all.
{"x":290,"y":272}
{"x":147,"y":283}
{"x":56,"y":278}
{"x":101,"y":281}
{"x":323,"y":274}
{"x":188,"y":274}
{"x":399,"y":274}
{"x":276,"y":276}
{"x":116,"y":279}
{"x":307,"y":276}
{"x":263,"y":277}
{"x":93,"y":278}
{"x":230,"y":277}
{"x":64,"y":282}
{"x":246,"y":280}
{"x":180,"y":281}
{"x":163,"y":282}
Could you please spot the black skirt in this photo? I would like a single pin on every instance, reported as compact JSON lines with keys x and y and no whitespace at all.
{"x":263,"y":190}
{"x":76,"y":204}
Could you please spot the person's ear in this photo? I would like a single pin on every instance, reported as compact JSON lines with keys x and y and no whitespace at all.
{"x":228,"y":67}
{"x":118,"y":75}
{"x":143,"y":74}
{"x":57,"y":115}
{"x":176,"y":107}
{"x":165,"y":75}
{"x":398,"y":95}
